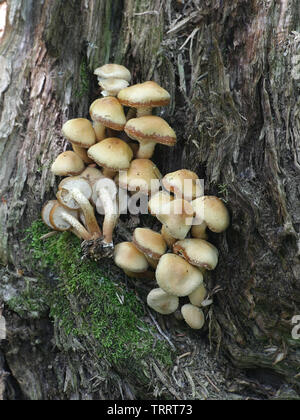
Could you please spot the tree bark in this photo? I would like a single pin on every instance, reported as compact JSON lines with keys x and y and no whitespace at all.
{"x":232,"y":69}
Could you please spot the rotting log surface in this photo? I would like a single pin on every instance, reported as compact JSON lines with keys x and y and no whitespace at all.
{"x":232,"y":69}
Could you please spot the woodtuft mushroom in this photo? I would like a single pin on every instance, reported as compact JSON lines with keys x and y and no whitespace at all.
{"x":161,"y":302}
{"x":132,"y":261}
{"x":150,"y":243}
{"x":197,"y":252}
{"x":67,"y":163}
{"x":80,"y":133}
{"x":211,"y":211}
{"x":193,"y":316}
{"x":183,"y":184}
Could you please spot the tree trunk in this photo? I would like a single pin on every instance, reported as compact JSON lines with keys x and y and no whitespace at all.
{"x":232,"y":69}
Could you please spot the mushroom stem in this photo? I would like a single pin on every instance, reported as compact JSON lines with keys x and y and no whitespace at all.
{"x":141,"y":112}
{"x":146,"y":149}
{"x":199,"y":231}
{"x":111,"y":214}
{"x":77,"y":227}
{"x":99,"y":129}
{"x":88,"y":211}
{"x":108,"y":173}
{"x":131,"y":114}
{"x":81,"y":152}
{"x":167,"y":237}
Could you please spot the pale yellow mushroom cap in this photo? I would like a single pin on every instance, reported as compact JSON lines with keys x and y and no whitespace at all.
{"x":48,"y":206}
{"x":177,"y":217}
{"x":79,"y":131}
{"x":150,"y":128}
{"x":184,"y":184}
{"x":149,"y":242}
{"x":67,"y":163}
{"x":111,"y":153}
{"x":198,"y":252}
{"x":111,"y":87}
{"x":176,"y":276}
{"x":198,"y":296}
{"x":161,"y":302}
{"x":129,"y":258}
{"x":116,"y":71}
{"x":109,"y":112}
{"x":147,"y":94}
{"x":193,"y":316}
{"x":141,"y":176}
{"x":213,"y":212}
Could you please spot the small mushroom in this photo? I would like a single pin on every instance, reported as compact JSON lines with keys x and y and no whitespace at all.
{"x":198,"y":296}
{"x":112,"y":70}
{"x":143,"y":97}
{"x":211,"y":211}
{"x":161,"y":302}
{"x":132,"y":261}
{"x":149,"y":131}
{"x":45,"y":214}
{"x":197,"y":252}
{"x":67,"y":163}
{"x":111,"y":87}
{"x":80,"y":133}
{"x":74,"y":193}
{"x":176,"y":276}
{"x":193,"y":316}
{"x":64,"y":219}
{"x":113,"y":154}
{"x":151,"y":244}
{"x":109,"y":112}
{"x":184,"y":184}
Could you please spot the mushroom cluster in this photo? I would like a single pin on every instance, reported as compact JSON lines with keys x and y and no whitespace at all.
{"x":111,"y":161}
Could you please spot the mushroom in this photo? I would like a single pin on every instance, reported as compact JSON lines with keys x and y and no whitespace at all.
{"x":111,"y":87}
{"x":157,"y":202}
{"x":161,"y":302}
{"x":143,"y":97}
{"x":65,"y":219}
{"x":211,"y":211}
{"x":142,"y":175}
{"x":111,"y":70}
{"x":149,"y":131}
{"x":193,"y":316}
{"x":198,"y":295}
{"x":109,"y":113}
{"x":113,"y":154}
{"x":80,"y":133}
{"x":45,"y":214}
{"x":132,"y":261}
{"x":91,"y":174}
{"x":74,"y":194}
{"x":151,"y":244}
{"x":197,"y":252}
{"x":67,"y":163}
{"x":106,"y":191}
{"x":184,"y":184}
{"x":176,"y":276}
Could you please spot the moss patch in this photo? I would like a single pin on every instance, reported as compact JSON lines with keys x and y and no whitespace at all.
{"x":87,"y":304}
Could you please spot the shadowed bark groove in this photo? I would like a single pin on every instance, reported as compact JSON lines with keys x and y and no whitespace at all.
{"x":232,"y":69}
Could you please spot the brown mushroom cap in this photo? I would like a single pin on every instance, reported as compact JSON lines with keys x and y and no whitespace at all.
{"x":150,"y":128}
{"x":198,"y":296}
{"x":129,"y":258}
{"x":197,"y":252}
{"x":176,"y":276}
{"x":109,"y":112}
{"x":149,"y":242}
{"x":48,"y":206}
{"x":184,"y":184}
{"x":112,"y":153}
{"x":193,"y":316}
{"x":213,"y":212}
{"x":161,"y":302}
{"x":67,"y":163}
{"x":142,"y":175}
{"x":111,"y":87}
{"x":111,"y":70}
{"x":79,"y":131}
{"x":147,"y":94}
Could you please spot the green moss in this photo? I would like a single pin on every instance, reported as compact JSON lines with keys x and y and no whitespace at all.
{"x":87,"y":304}
{"x":84,"y":83}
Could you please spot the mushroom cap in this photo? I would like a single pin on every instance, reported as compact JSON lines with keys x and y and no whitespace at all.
{"x":184,"y":184}
{"x":128,"y":257}
{"x":176,"y":276}
{"x":92,"y":174}
{"x":193,"y":316}
{"x":142,"y":175}
{"x":79,"y":131}
{"x":198,"y":252}
{"x":161,"y":302}
{"x":212,"y":211}
{"x":109,"y":112}
{"x":116,"y":71}
{"x":158,"y":200}
{"x":198,"y":295}
{"x":56,"y":217}
{"x":147,"y":94}
{"x":112,"y":86}
{"x":149,"y":242}
{"x":64,"y":194}
{"x":177,"y":217}
{"x":150,"y":128}
{"x":67,"y":163}
{"x":111,"y":153}
{"x":48,"y":206}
